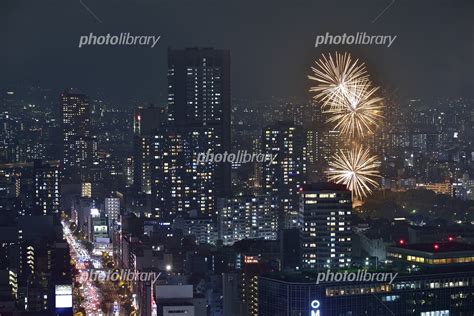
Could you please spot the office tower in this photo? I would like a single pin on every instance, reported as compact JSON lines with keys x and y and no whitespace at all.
{"x":46,"y":188}
{"x":78,"y":145}
{"x":284,"y":177}
{"x":325,"y":212}
{"x":248,"y":217}
{"x":146,"y":122}
{"x":199,"y":98}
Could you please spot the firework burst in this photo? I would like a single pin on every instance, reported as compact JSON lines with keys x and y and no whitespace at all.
{"x":336,"y":79}
{"x":361,"y":111}
{"x":356,"y":169}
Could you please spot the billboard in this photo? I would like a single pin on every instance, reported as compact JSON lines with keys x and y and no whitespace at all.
{"x":63,"y":294}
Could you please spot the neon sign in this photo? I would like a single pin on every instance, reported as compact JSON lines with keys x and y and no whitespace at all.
{"x":315,"y":308}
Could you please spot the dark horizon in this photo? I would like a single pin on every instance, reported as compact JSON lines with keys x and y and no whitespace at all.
{"x":271,"y":46}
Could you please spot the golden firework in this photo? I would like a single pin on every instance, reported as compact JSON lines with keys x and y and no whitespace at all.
{"x":337,"y":78}
{"x":356,"y":169}
{"x":360,"y":113}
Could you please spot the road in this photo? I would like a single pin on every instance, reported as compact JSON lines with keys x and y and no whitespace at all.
{"x":84,"y":262}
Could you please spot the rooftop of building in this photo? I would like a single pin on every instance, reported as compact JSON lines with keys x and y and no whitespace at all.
{"x":324,"y":186}
{"x":437,"y":247}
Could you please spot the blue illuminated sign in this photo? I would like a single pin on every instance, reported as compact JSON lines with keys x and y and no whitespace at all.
{"x":315,"y":308}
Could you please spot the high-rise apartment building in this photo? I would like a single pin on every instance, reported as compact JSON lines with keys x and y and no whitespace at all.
{"x":199,"y":99}
{"x":284,"y":177}
{"x":141,"y":163}
{"x":146,"y":123}
{"x":198,"y":121}
{"x":180,"y":184}
{"x":326,"y":235}
{"x":248,"y":217}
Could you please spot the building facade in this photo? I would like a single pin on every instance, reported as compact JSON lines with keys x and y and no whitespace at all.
{"x":285,"y":176}
{"x":326,"y":235}
{"x":46,"y":186}
{"x":439,"y":294}
{"x":199,"y":98}
{"x":248,"y":217}
{"x":78,"y":145}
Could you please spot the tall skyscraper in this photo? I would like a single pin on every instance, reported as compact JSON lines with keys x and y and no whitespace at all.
{"x":326,"y":236}
{"x":141,"y":163}
{"x":284,"y":177}
{"x":46,"y":188}
{"x":198,"y":121}
{"x":199,"y":98}
{"x":78,"y":145}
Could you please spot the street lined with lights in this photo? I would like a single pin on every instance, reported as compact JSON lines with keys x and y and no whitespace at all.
{"x":82,"y":259}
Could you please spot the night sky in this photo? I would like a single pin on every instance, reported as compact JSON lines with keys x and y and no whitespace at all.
{"x":271,"y":43}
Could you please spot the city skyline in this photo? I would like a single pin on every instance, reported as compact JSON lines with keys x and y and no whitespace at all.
{"x":202,"y":158}
{"x":129,"y":192}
